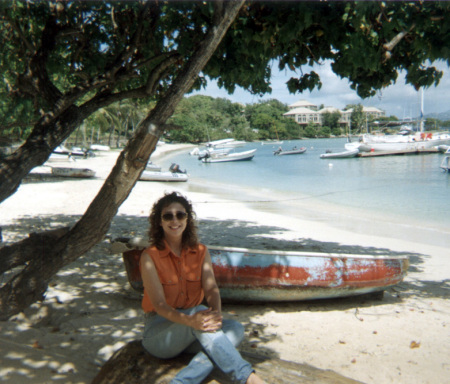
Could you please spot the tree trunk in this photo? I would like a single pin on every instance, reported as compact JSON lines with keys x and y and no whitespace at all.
{"x":31,"y":283}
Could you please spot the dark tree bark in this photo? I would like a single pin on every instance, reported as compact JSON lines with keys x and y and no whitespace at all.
{"x":30,"y":284}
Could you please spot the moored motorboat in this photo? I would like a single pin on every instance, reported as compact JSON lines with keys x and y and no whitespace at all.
{"x":272,"y":142}
{"x":261,"y":275}
{"x":417,"y":141}
{"x":220,"y":142}
{"x":293,"y":151}
{"x":231,"y":144}
{"x":152,"y":172}
{"x":227,"y":157}
{"x":210,"y":150}
{"x":445,"y":164}
{"x":340,"y":155}
{"x":152,"y":167}
{"x":99,"y":147}
{"x":443,"y":148}
{"x":163,"y":176}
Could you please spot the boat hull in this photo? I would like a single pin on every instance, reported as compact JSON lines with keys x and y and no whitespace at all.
{"x":340,"y":155}
{"x":409,"y":142}
{"x":271,"y":142}
{"x":445,"y":164}
{"x":292,"y":152}
{"x":239,"y":156}
{"x":258,"y":275}
{"x":73,"y":172}
{"x":163,"y":176}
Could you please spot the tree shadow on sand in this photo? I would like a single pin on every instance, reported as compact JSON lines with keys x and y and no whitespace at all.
{"x":91,"y":303}
{"x":231,"y":233}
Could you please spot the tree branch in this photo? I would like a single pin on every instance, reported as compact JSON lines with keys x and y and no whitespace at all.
{"x":388,"y":47}
{"x":22,"y":252}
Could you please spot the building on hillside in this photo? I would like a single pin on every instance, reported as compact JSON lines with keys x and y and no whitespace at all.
{"x":303,"y":104}
{"x":304,"y":112}
{"x":303,"y":115}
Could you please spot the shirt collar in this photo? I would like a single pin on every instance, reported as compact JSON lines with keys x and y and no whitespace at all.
{"x":167,"y":251}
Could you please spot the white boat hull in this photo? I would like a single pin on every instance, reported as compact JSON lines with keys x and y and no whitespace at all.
{"x":445,"y":164}
{"x":270,"y":142}
{"x":290,"y":152}
{"x":340,"y":155}
{"x":73,"y":172}
{"x":163,"y":176}
{"x":408,"y":142}
{"x":99,"y":147}
{"x":238,"y":156}
{"x":152,"y":167}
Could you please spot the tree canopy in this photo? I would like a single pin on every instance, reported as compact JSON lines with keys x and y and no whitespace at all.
{"x":63,"y":61}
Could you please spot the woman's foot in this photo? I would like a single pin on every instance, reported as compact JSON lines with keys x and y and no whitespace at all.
{"x":254,"y":379}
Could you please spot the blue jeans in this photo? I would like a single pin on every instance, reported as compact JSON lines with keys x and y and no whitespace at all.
{"x":164,"y":339}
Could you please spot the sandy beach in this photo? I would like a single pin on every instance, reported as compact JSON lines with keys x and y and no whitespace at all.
{"x":90,"y":311}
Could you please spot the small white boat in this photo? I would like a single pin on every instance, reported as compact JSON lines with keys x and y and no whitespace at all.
{"x":212,"y":151}
{"x":216,"y":143}
{"x":99,"y":147}
{"x":163,"y":176}
{"x":74,"y":152}
{"x":445,"y":164}
{"x":73,"y":172}
{"x":293,"y":151}
{"x":152,"y":167}
{"x":340,"y":155}
{"x":57,"y":157}
{"x":272,"y":142}
{"x":443,"y":148}
{"x":230,"y":144}
{"x":359,"y":146}
{"x":233,"y":156}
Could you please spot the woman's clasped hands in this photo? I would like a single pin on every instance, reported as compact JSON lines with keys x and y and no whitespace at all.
{"x":207,"y":320}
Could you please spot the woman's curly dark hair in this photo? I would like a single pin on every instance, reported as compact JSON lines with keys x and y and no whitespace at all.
{"x":156,"y":232}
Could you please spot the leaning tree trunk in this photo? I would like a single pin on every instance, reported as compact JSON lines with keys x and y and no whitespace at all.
{"x":31,"y":283}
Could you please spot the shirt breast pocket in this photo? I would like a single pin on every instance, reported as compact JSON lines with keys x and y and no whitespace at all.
{"x":194,"y":285}
{"x":170,"y":286}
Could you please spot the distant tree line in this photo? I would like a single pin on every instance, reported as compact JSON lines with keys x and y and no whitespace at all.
{"x":203,"y":118}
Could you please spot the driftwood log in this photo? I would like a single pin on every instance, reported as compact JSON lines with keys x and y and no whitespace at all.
{"x":133,"y":365}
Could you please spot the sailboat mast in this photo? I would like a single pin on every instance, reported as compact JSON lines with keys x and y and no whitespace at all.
{"x":421,"y":111}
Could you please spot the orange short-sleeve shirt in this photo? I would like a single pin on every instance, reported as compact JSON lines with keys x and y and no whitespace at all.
{"x":181,"y":277}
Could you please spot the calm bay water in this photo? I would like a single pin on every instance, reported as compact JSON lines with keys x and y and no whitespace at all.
{"x":408,"y":187}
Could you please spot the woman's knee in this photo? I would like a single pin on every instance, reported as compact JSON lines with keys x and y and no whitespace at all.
{"x":234,"y":331}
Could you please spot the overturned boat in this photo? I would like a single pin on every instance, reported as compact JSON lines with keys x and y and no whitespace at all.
{"x":261,"y":275}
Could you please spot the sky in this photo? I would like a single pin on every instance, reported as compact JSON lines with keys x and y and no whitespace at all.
{"x":400,"y":99}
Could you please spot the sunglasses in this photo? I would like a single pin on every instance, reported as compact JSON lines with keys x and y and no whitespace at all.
{"x":170,"y":216}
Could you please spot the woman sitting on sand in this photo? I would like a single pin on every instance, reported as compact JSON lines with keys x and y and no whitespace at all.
{"x":177,"y":274}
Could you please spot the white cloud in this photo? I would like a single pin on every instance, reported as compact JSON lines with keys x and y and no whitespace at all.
{"x":399,"y":99}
